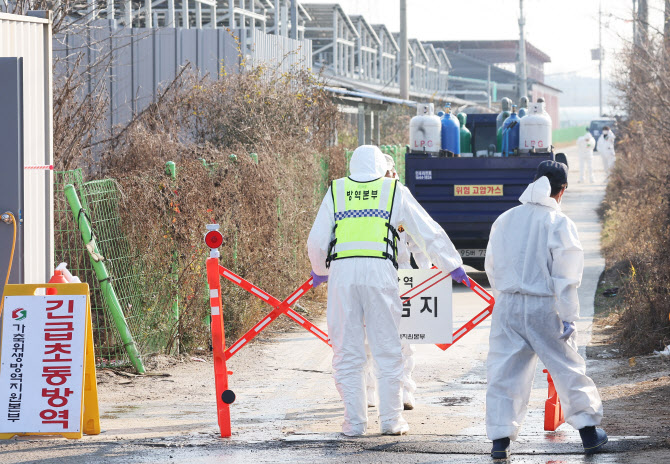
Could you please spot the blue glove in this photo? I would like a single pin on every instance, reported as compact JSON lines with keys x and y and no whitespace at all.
{"x":460,"y":276}
{"x":568,"y":329}
{"x":317,"y":279}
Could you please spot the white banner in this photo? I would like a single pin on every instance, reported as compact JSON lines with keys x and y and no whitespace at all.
{"x":426,"y":318}
{"x":42,"y":366}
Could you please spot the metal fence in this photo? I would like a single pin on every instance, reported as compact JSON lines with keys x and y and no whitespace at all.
{"x":285,"y":53}
{"x":141,"y":305}
{"x":132,"y":64}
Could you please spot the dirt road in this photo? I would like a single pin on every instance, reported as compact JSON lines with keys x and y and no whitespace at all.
{"x":287,"y":408}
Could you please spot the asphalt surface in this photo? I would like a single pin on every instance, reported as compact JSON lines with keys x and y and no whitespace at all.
{"x":287,"y":408}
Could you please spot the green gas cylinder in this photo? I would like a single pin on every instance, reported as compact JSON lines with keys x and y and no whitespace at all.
{"x":466,"y":136}
{"x":499,"y":140}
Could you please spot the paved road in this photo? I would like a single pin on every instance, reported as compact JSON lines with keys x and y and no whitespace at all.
{"x":287,"y":407}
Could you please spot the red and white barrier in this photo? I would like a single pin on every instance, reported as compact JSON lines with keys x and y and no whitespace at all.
{"x":226,"y":397}
{"x":468,"y":326}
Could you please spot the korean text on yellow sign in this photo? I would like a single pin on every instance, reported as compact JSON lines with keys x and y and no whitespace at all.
{"x":478,"y":190}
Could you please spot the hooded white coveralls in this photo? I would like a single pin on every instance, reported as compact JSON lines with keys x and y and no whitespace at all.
{"x":534,"y":262}
{"x":585,"y":145}
{"x":606,"y":149}
{"x":406,"y":248}
{"x":365,"y":291}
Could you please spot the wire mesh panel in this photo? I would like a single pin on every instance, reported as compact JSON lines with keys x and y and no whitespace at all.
{"x":139,"y":295}
{"x":69,"y":248}
{"x":143,"y":305}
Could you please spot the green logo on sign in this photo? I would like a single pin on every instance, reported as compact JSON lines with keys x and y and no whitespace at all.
{"x":19,"y":314}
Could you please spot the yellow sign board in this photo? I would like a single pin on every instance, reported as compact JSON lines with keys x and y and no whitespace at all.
{"x":47,"y":363}
{"x":478,"y":190}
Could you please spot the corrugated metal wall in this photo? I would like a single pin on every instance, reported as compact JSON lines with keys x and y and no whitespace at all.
{"x":30,"y":37}
{"x":144,"y":60}
{"x":290,"y":54}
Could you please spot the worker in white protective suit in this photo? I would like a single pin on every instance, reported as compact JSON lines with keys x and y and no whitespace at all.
{"x":406,"y":249}
{"x":585,"y":145}
{"x":534,"y":262}
{"x":605,"y":147}
{"x":353,"y":246}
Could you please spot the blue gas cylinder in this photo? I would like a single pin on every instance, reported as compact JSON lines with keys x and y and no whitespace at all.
{"x":510,"y":131}
{"x":451,"y":132}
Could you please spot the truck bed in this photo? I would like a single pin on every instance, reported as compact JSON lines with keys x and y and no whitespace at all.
{"x":468,"y":219}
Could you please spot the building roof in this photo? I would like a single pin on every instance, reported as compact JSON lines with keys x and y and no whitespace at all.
{"x":358,"y":19}
{"x":493,"y":51}
{"x":463,"y":65}
{"x":381,"y":29}
{"x":322,"y":16}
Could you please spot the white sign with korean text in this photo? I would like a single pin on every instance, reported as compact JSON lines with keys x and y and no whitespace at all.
{"x":42,"y":366}
{"x":426,"y":318}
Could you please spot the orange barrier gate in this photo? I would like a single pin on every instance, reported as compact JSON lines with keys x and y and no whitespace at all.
{"x":226,"y":397}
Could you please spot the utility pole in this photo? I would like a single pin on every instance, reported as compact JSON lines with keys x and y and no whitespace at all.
{"x":635,"y":22}
{"x":523,"y":87}
{"x":294,"y":19}
{"x":403,"y":78}
{"x":600,"y":58}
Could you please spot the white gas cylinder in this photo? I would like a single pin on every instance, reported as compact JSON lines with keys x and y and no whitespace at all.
{"x":535,"y":130}
{"x":425,"y":129}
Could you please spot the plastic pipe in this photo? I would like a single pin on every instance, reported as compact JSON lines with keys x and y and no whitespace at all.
{"x":108,"y":293}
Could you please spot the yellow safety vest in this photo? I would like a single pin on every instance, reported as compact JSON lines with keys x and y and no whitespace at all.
{"x":362,"y":220}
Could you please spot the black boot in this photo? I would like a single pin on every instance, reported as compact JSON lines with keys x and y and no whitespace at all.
{"x":593,"y":439}
{"x":500,"y":448}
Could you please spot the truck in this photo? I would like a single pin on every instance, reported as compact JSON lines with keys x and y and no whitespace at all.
{"x":465,"y":195}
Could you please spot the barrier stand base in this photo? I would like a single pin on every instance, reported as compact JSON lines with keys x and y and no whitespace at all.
{"x":553,"y":412}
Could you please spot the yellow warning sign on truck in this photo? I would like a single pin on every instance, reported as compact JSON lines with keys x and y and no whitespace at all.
{"x":478,"y":190}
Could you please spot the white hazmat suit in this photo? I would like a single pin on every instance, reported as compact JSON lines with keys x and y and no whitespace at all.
{"x":606,"y":149}
{"x":534,"y":262}
{"x":365,"y":291}
{"x":406,"y":248}
{"x":585,"y":145}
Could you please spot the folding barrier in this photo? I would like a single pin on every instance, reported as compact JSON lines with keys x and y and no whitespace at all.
{"x":226,"y":397}
{"x":472,"y":323}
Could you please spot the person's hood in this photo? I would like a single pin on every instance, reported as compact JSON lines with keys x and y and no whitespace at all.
{"x":539,"y":193}
{"x":390,"y":163}
{"x":367,"y":163}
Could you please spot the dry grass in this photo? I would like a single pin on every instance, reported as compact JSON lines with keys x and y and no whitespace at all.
{"x":636,"y":235}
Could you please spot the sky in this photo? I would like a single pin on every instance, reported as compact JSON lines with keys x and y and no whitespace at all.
{"x":564,"y":29}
